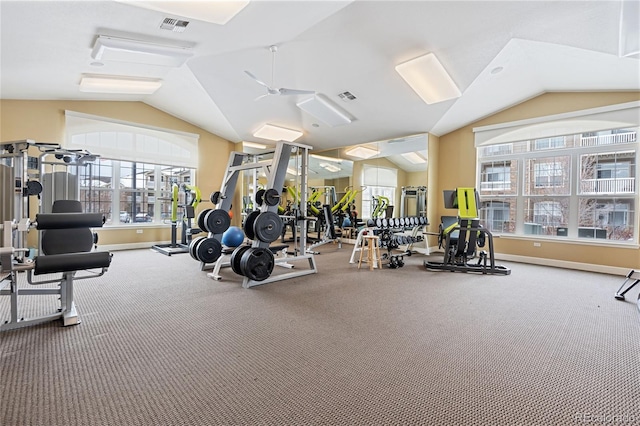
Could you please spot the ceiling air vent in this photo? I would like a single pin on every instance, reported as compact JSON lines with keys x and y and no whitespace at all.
{"x":347,"y":96}
{"x":175,"y":25}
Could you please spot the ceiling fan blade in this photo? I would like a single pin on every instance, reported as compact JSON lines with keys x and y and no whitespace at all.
{"x":261,"y":96}
{"x":285,"y":92}
{"x":257,"y":80}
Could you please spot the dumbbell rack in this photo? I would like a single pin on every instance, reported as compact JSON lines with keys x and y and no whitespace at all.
{"x":416,"y":224}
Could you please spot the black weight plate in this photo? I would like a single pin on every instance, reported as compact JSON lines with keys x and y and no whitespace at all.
{"x":202,"y":224}
{"x":34,"y":187}
{"x":423,"y":220}
{"x":193,"y":246}
{"x":371,"y":223}
{"x":247,"y":227}
{"x":271,"y":197}
{"x":260,"y":196}
{"x":208,"y":250}
{"x":257,"y":263}
{"x":402,"y":221}
{"x":267,"y":227}
{"x":412,"y":221}
{"x":385,"y":222}
{"x":379,"y":223}
{"x":236,"y":257}
{"x":217,"y":221}
{"x":215,"y":197}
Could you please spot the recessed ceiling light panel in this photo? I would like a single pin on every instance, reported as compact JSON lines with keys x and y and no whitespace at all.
{"x":120,"y":85}
{"x":139,"y":52}
{"x":276,"y":133}
{"x":428,"y":78}
{"x":361,"y":152}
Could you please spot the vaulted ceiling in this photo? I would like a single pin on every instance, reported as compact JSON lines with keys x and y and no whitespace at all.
{"x":498,"y":53}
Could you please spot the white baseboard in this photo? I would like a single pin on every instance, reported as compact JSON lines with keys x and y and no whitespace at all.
{"x":129,"y":246}
{"x":603,"y":269}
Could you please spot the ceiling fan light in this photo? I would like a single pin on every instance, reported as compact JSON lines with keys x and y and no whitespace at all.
{"x":120,"y":85}
{"x":428,"y":78}
{"x":324,"y":110}
{"x":276,"y":133}
{"x":361,"y":152}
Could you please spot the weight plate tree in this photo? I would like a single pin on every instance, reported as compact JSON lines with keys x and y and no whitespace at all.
{"x":263,"y":226}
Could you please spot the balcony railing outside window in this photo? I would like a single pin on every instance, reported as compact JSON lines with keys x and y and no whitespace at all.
{"x":608,"y":139}
{"x":608,"y":186}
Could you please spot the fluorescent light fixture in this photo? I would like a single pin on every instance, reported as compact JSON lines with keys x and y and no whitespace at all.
{"x":414,"y":157}
{"x":330,"y":167}
{"x":361,"y":152}
{"x":276,"y":133}
{"x":216,"y":12}
{"x":428,"y":78}
{"x":253,"y":145}
{"x":121,"y":85}
{"x":139,"y":52}
{"x":324,"y":110}
{"x":322,"y":157}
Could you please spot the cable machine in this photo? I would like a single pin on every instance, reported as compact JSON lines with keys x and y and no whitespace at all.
{"x":413,"y":201}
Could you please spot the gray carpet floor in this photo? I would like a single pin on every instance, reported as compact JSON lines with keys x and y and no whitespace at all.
{"x":162,"y":344}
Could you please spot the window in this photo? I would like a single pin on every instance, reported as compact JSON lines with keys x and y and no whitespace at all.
{"x":496,"y":176}
{"x":132,"y":178}
{"x":549,"y":143}
{"x":580,"y":184}
{"x":548,"y":174}
{"x":135,"y":198}
{"x":378,"y":182}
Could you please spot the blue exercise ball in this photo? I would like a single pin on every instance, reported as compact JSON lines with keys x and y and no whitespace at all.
{"x":233,"y":237}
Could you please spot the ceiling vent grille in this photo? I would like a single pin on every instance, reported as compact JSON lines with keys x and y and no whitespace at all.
{"x":175,"y":25}
{"x":347,"y":96}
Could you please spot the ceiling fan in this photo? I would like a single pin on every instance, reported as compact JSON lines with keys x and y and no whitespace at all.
{"x":275,"y":90}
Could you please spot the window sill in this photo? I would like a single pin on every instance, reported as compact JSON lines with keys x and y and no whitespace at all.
{"x":574,"y":241}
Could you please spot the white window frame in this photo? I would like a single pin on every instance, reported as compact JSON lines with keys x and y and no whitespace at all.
{"x":613,"y":119}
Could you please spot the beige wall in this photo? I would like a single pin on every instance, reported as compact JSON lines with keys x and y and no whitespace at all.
{"x":43,"y":121}
{"x":456,"y":160}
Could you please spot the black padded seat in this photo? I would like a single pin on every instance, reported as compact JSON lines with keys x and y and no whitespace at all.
{"x":67,"y":239}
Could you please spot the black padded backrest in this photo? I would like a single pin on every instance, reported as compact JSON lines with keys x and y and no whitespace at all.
{"x":66,"y":206}
{"x":61,"y":241}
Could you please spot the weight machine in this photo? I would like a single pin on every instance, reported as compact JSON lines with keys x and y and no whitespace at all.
{"x":413,"y":201}
{"x":632,"y":278}
{"x":66,"y":240}
{"x":256,"y":261}
{"x":189,"y":213}
{"x":461,"y":236}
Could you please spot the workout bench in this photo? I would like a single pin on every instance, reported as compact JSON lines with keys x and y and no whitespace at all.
{"x":66,"y":243}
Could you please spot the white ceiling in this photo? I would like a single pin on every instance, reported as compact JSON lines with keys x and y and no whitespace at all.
{"x":329,"y":47}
